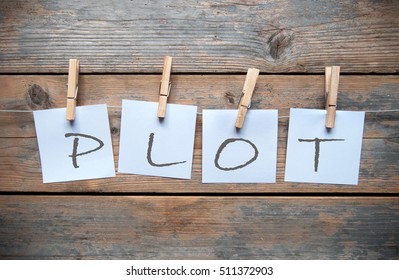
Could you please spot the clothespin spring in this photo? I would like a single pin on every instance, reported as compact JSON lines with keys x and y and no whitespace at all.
{"x":76,"y":92}
{"x":243,"y":105}
{"x":169,"y":86}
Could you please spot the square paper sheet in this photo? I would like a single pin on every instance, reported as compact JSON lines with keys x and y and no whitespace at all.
{"x":74,"y":150}
{"x":247,"y":155}
{"x":153,"y":146}
{"x":318,"y":155}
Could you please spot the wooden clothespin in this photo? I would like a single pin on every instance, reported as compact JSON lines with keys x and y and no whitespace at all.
{"x":72,"y":94}
{"x":331,"y":94}
{"x":247,"y":91}
{"x":164,"y":89}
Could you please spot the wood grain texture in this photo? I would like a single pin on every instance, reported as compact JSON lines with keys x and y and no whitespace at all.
{"x":170,"y":227}
{"x":20,"y":166}
{"x":121,"y":44}
{"x":202,"y":36}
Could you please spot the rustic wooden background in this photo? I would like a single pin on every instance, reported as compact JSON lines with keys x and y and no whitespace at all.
{"x":121,"y":45}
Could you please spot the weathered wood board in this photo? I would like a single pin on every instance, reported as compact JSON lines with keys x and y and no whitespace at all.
{"x":121,"y":46}
{"x":379,"y":165}
{"x":173,"y":227}
{"x":202,"y":36}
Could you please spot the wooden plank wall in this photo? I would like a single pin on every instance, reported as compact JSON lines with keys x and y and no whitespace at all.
{"x":121,"y":45}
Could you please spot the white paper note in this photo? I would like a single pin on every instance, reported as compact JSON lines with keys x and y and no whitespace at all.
{"x":74,"y":150}
{"x":153,"y":146}
{"x":316,"y":154}
{"x":247,"y":155}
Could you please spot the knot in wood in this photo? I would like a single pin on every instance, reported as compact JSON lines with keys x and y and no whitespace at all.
{"x":230,"y":97}
{"x":37,"y":97}
{"x":279,"y":42}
